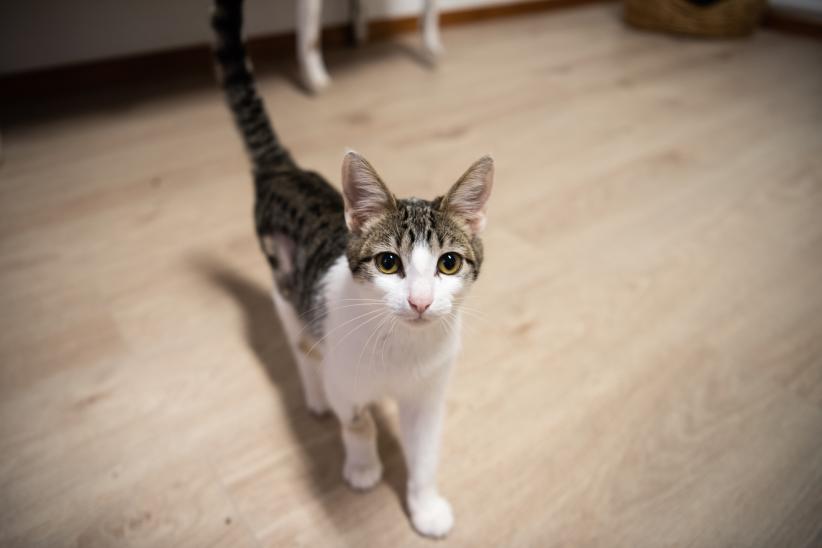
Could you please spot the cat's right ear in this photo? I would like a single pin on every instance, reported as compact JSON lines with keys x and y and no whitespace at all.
{"x":365,"y":195}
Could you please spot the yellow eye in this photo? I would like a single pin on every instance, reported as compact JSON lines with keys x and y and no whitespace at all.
{"x":387,"y":263}
{"x":450,"y":263}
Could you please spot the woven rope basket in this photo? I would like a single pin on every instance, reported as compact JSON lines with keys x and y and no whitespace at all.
{"x":701,"y":17}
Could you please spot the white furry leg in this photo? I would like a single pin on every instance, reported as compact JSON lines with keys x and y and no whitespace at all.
{"x":362,"y":469}
{"x":431,"y":29}
{"x":309,"y":54}
{"x":308,"y":361}
{"x":309,"y":368}
{"x":359,"y":18}
{"x":421,"y":428}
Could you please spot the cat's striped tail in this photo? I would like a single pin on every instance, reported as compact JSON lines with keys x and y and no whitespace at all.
{"x":234,"y":74}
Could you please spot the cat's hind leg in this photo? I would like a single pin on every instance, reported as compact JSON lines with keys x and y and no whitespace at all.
{"x":307,"y":357}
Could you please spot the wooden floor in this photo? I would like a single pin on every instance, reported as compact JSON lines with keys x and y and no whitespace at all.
{"x":647,"y":370}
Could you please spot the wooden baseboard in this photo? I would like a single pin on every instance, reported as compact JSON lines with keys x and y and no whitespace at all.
{"x":794,"y":22}
{"x":123,"y":71}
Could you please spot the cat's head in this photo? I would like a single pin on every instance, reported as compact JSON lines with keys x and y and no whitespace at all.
{"x":418,"y":257}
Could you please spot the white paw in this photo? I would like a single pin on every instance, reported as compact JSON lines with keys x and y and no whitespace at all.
{"x":313,"y":73}
{"x":362,"y":476}
{"x":318,"y":409}
{"x":433,"y":48}
{"x":316,"y":403}
{"x":432,"y":516}
{"x":316,"y":81}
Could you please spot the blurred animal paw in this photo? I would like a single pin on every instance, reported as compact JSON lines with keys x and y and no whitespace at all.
{"x":431,"y":515}
{"x":362,"y":476}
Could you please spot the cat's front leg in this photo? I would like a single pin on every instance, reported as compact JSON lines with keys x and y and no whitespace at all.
{"x":421,"y":421}
{"x":362,"y":468}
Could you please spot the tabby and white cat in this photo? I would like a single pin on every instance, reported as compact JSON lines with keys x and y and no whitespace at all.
{"x":309,"y":28}
{"x":368,"y":286}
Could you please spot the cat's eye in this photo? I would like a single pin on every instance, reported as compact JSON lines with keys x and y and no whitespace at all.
{"x":450,"y":263}
{"x":387,"y":263}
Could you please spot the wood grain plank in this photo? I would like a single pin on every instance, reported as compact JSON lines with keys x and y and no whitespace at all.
{"x":642,"y":364}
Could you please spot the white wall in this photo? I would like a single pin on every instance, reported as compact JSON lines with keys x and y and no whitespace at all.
{"x":45,"y":33}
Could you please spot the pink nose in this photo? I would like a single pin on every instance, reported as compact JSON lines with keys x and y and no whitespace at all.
{"x":420,"y":305}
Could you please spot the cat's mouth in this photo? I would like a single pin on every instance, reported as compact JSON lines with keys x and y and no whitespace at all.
{"x":418,"y":320}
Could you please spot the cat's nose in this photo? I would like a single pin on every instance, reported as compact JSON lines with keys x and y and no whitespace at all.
{"x":419,"y":304}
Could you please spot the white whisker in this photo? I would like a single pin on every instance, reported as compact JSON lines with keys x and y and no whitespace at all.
{"x":324,"y":316}
{"x":358,"y":326}
{"x":368,"y":340}
{"x":394,"y":321}
{"x":324,"y":337}
{"x":377,"y":339}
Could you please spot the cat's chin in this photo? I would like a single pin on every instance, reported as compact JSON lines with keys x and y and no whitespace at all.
{"x":418,"y":321}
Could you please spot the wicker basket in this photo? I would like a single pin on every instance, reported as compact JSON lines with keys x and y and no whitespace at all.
{"x":701,"y":17}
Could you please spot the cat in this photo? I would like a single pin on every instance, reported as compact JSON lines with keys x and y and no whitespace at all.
{"x":368,"y":287}
{"x":309,"y":28}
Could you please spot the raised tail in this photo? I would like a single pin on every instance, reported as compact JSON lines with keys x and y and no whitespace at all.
{"x":234,"y":74}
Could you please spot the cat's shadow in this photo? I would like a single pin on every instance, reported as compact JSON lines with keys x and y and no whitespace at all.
{"x":317,"y":439}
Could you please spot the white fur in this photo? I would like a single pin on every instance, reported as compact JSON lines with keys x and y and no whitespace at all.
{"x":378,"y":348}
{"x":308,"y":364}
{"x":431,"y":29}
{"x":309,"y":52}
{"x":309,"y":29}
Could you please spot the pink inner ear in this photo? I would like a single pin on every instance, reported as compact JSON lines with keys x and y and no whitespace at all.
{"x":365,"y":195}
{"x":477,"y":223}
{"x":468,"y":197}
{"x":475,"y":219}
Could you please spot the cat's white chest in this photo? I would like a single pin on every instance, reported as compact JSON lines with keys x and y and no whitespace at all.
{"x":371,"y":351}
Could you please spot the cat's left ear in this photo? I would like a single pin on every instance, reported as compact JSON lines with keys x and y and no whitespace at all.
{"x":468,"y":196}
